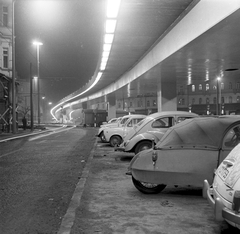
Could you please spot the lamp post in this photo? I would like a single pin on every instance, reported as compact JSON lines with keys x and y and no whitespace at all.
{"x":14,"y":128}
{"x":218,"y":96}
{"x":38,"y":44}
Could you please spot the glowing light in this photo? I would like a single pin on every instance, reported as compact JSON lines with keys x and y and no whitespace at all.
{"x":108,"y":38}
{"x":107,"y":47}
{"x":110,"y":26}
{"x":60,"y":104}
{"x":113,"y":8}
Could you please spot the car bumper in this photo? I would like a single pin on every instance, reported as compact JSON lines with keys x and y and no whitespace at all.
{"x":220,"y":211}
{"x":216,"y":204}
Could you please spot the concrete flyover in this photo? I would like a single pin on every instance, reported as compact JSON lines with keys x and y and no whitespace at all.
{"x":158,"y":47}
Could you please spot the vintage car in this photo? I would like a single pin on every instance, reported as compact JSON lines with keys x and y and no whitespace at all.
{"x":113,"y":120}
{"x":115,"y":135}
{"x":153,"y":127}
{"x":187,"y":154}
{"x":120,"y":121}
{"x":224,"y":194}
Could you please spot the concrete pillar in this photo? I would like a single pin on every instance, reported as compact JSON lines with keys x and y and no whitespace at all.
{"x":167,"y":96}
{"x":112,"y":109}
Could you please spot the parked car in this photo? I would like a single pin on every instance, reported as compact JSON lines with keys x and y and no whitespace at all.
{"x":224,"y":194}
{"x":113,"y":120}
{"x":187,"y":154}
{"x":151,"y":128}
{"x":115,"y":135}
{"x":120,"y":121}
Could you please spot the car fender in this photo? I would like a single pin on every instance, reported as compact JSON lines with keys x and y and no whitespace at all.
{"x":108,"y":133}
{"x":150,"y":135}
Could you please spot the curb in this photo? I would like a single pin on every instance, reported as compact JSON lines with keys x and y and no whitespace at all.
{"x":69,"y":217}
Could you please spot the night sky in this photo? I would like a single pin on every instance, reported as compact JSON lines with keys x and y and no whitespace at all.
{"x":71,"y":33}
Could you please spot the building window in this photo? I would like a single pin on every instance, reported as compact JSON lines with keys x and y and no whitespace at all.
{"x":5,"y":17}
{"x":207,"y":87}
{"x":154,"y":103}
{"x":200,"y":100}
{"x":222,"y":99}
{"x":200,"y":87}
{"x":238,"y":99}
{"x":238,"y":85}
{"x":222,"y":85}
{"x":230,"y":85}
{"x":130,"y":104}
{"x":193,"y":101}
{"x":5,"y":57}
{"x":119,"y":105}
{"x":148,"y":103}
{"x":230,"y":99}
{"x":207,"y":100}
{"x":193,"y":88}
{"x":214,"y":100}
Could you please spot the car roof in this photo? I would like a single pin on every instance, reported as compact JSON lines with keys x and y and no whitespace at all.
{"x":157,"y":114}
{"x":199,"y":132}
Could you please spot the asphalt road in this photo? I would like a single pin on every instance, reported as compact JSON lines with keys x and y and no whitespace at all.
{"x":38,"y":176}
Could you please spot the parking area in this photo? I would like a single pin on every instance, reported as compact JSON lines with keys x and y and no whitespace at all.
{"x":111,"y":204}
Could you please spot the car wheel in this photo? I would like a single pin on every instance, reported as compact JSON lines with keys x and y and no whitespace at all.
{"x":143,"y":146}
{"x":115,"y":141}
{"x":102,"y":137}
{"x":148,"y":188}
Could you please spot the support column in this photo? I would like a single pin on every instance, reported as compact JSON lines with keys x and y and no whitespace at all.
{"x":167,"y":96}
{"x":112,"y":110}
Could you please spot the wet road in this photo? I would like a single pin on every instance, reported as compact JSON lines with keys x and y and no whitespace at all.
{"x":38,"y":175}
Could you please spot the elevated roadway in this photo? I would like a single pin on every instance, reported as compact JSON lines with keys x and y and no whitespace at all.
{"x":160,"y":44}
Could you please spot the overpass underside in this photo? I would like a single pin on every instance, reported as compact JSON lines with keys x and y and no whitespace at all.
{"x":199,"y":45}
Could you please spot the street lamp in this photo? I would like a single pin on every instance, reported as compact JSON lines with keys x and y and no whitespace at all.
{"x":218,"y":96}
{"x":38,"y":44}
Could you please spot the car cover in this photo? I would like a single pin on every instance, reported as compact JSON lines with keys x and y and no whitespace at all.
{"x":203,"y":132}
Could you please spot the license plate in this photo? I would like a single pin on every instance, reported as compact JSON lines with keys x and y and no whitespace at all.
{"x":223,"y":172}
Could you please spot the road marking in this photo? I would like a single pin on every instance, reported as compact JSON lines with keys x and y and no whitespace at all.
{"x":9,"y":153}
{"x":51,"y":133}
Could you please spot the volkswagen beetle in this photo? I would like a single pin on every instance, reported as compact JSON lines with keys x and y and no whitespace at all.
{"x":153,"y":127}
{"x":115,"y":135}
{"x":187,"y":154}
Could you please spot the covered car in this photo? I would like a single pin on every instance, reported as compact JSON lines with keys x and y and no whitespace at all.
{"x":187,"y":154}
{"x":152,"y":129}
{"x":115,"y":135}
{"x":224,"y":194}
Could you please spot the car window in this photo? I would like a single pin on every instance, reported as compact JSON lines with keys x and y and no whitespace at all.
{"x":182,"y":118}
{"x":133,"y":122}
{"x":163,"y":122}
{"x":232,"y":138}
{"x":124,"y":120}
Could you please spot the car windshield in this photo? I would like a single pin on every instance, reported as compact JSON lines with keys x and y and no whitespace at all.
{"x":123,"y":121}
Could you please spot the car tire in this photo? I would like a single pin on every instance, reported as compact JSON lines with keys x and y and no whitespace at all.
{"x":143,"y":146}
{"x":148,"y":188}
{"x":101,"y":137}
{"x":115,"y":141}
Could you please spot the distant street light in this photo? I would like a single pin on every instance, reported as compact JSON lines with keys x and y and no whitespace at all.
{"x":38,"y":44}
{"x":219,"y":98}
